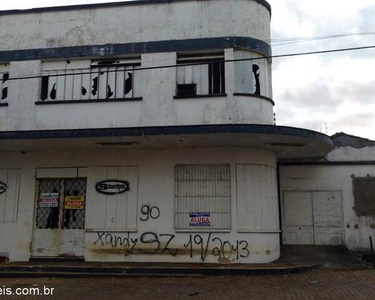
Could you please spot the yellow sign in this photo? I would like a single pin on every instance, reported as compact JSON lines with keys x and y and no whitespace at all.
{"x":74,"y":202}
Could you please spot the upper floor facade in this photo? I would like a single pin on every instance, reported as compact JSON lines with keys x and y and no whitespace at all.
{"x":136,"y":64}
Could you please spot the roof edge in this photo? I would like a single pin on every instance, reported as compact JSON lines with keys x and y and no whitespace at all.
{"x":110,"y":50}
{"x":168,"y":130}
{"x":106,"y":5}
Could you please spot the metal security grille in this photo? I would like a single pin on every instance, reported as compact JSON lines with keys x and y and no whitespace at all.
{"x":100,"y":80}
{"x":74,"y":218}
{"x":202,"y":190}
{"x":57,"y":216}
{"x":47,"y":217}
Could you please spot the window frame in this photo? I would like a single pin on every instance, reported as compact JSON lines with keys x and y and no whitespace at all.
{"x":213,"y":60}
{"x":204,"y":229}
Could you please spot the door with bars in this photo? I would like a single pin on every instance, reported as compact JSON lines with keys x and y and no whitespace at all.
{"x":59,"y":218}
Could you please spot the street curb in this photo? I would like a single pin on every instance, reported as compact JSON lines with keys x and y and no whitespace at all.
{"x":73,"y":271}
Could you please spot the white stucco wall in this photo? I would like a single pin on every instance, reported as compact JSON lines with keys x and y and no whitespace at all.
{"x":258,"y":240}
{"x":334,"y":178}
{"x":352,"y":154}
{"x":135,"y":23}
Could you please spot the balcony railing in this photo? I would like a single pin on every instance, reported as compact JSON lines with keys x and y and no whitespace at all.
{"x":4,"y":87}
{"x":99,"y":83}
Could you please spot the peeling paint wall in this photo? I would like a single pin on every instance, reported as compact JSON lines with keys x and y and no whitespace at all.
{"x":155,"y":237}
{"x":364,"y":196}
{"x":135,"y":23}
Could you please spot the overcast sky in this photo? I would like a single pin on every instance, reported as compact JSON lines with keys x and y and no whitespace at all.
{"x":328,"y":93}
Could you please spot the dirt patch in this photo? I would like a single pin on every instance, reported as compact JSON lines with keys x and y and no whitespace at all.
{"x":364,"y":196}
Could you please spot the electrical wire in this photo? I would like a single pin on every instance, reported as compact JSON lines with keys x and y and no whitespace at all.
{"x":209,"y":62}
{"x":295,"y":40}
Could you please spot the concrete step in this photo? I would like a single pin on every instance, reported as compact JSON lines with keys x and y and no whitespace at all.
{"x":85,"y":275}
{"x":89,"y":270}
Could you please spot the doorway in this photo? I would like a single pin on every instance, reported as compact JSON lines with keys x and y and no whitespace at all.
{"x":59,"y":229}
{"x":313,"y":218}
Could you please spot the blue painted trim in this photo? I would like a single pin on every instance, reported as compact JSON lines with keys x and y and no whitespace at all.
{"x":111,"y":50}
{"x":329,"y":163}
{"x":255,"y":96}
{"x":168,"y":130}
{"x":199,"y":96}
{"x":105,"y":5}
{"x":55,"y":102}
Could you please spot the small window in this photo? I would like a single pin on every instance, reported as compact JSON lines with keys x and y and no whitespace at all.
{"x":200,"y":75}
{"x":202,"y":197}
{"x":4,"y":77}
{"x":90,"y":80}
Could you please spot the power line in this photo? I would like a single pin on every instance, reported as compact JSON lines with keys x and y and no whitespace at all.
{"x":294,"y":40}
{"x":209,"y":62}
{"x":323,"y":51}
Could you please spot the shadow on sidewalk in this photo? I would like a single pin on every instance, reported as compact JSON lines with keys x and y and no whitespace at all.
{"x":326,"y":256}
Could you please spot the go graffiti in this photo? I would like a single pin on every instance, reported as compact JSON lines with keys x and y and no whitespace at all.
{"x":153,"y":243}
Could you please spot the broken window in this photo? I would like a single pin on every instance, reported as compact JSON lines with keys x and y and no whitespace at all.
{"x":4,"y":80}
{"x":252,"y":74}
{"x":90,"y":80}
{"x":114,"y":79}
{"x":364,"y":195}
{"x":61,"y":203}
{"x":200,"y":75}
{"x":202,"y":197}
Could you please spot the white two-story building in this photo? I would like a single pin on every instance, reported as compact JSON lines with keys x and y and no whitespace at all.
{"x":143,"y":131}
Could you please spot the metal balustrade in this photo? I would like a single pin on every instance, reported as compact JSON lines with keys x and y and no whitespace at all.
{"x":4,"y":86}
{"x":99,"y":83}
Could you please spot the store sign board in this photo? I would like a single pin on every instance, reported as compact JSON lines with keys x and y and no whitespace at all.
{"x":200,"y":219}
{"x":49,"y":200}
{"x":112,"y":187}
{"x":3,"y":187}
{"x":74,"y":202}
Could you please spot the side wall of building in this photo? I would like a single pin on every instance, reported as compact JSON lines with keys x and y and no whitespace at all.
{"x":332,"y":179}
